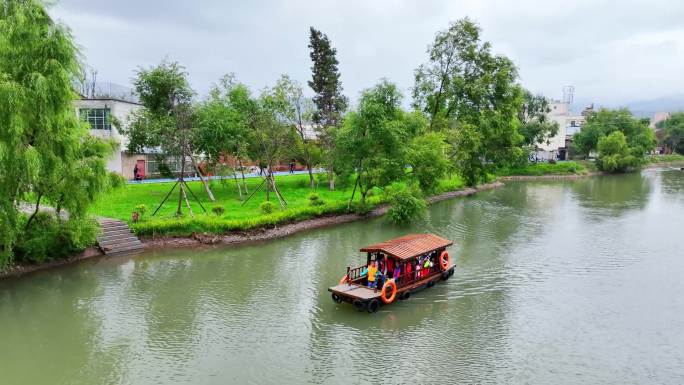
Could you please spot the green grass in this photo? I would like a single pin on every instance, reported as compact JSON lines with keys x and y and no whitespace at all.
{"x":538,"y":169}
{"x":670,"y":158}
{"x":122,"y":203}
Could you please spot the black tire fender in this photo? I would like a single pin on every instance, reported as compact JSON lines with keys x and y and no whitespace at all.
{"x":336,"y":297}
{"x":373,"y":305}
{"x":359,"y":305}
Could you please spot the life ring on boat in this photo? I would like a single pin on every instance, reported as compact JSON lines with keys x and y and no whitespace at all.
{"x":383,"y":296}
{"x":344,"y":279}
{"x":444,"y":260}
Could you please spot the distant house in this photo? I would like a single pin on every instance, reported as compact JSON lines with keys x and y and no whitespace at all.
{"x":101,"y":111}
{"x":556,"y":147}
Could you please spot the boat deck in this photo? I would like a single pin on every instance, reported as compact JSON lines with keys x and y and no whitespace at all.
{"x":356,"y":291}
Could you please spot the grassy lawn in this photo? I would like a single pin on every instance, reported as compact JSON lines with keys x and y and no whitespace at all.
{"x":543,"y":168}
{"x":121,"y":203}
{"x":670,"y":158}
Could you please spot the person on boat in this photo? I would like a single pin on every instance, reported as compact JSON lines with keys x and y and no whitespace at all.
{"x":409,"y":270}
{"x":426,"y":267}
{"x":379,"y":280}
{"x":372,"y":272}
{"x":396,"y":273}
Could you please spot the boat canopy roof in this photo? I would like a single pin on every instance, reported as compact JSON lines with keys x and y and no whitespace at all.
{"x":409,"y":246}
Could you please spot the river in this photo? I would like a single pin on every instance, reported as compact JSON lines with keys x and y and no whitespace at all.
{"x":561,"y":282}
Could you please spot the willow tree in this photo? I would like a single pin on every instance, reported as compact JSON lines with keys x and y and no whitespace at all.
{"x":46,"y":154}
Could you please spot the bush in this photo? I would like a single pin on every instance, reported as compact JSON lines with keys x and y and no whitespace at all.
{"x":141,"y":209}
{"x":48,"y":238}
{"x":407,"y":205}
{"x":218,"y":210}
{"x":267,"y":207}
{"x":315,"y":200}
{"x":116,"y":181}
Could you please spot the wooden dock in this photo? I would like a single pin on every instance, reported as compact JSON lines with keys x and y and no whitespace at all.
{"x":117,"y":238}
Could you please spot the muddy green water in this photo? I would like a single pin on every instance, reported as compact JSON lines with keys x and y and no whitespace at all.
{"x":574,"y":282}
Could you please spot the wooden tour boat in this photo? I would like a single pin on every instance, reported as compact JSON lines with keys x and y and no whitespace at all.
{"x":410,"y":254}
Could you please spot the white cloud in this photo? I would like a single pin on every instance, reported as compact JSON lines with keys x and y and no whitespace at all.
{"x":612,"y":51}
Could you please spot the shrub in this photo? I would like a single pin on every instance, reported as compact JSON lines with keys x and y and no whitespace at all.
{"x":116,"y":181}
{"x":315,"y":200}
{"x":407,"y":205}
{"x":218,"y":210}
{"x":48,"y":238}
{"x":267,"y":207}
{"x":141,"y":209}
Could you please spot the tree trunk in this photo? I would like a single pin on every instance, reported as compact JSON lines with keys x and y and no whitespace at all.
{"x":312,"y":183}
{"x":242,"y":171}
{"x":35,"y":212}
{"x":206,"y":185}
{"x":179,"y":211}
{"x":237,"y":183}
{"x":331,"y":177}
{"x":185,"y":198}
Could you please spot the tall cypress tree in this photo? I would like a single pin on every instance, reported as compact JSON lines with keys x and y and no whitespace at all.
{"x":330,"y":103}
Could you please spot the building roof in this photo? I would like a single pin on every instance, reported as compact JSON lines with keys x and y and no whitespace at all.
{"x":409,"y":246}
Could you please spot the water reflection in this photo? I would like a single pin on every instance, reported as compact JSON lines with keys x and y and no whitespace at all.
{"x":552,"y":278}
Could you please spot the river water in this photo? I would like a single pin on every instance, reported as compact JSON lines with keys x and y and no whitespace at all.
{"x":563,"y":282}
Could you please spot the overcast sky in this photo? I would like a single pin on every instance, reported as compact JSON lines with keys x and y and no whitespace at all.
{"x":612,"y":52}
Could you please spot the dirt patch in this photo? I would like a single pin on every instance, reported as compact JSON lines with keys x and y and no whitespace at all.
{"x":199,"y":240}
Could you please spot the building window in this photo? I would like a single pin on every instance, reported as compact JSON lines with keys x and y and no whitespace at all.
{"x":97,"y":117}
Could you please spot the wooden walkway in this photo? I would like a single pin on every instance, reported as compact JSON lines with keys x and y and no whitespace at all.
{"x":117,"y":239}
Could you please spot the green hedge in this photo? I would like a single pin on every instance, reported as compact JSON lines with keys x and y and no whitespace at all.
{"x":538,"y":169}
{"x":210,"y":224}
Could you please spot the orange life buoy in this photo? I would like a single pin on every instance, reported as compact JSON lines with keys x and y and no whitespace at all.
{"x":444,"y":260}
{"x":383,"y":295}
{"x":344,"y":279}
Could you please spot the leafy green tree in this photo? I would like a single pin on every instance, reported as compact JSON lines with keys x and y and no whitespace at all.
{"x":407,"y":204}
{"x":373,"y":140}
{"x":272,"y":135}
{"x":166,"y":119}
{"x":640,"y":138}
{"x":614,"y":153}
{"x":428,"y":160}
{"x":467,"y":140}
{"x":222,"y":125}
{"x":673,"y":129}
{"x":466,"y":87}
{"x":46,"y":154}
{"x":296,"y":111}
{"x":535,"y":126}
{"x":329,"y":101}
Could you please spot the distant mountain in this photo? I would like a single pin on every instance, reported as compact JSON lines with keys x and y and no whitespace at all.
{"x":648,"y":108}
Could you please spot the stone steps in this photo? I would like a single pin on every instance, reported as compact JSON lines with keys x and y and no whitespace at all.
{"x":117,"y":239}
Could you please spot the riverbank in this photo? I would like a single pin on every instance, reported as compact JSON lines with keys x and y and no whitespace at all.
{"x":279,"y":231}
{"x":19,"y":270}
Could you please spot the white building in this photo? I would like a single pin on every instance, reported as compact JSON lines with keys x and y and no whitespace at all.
{"x":99,"y":113}
{"x":568,"y":124}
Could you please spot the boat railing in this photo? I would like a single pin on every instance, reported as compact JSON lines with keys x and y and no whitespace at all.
{"x":417,"y":275}
{"x":354,"y":274}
